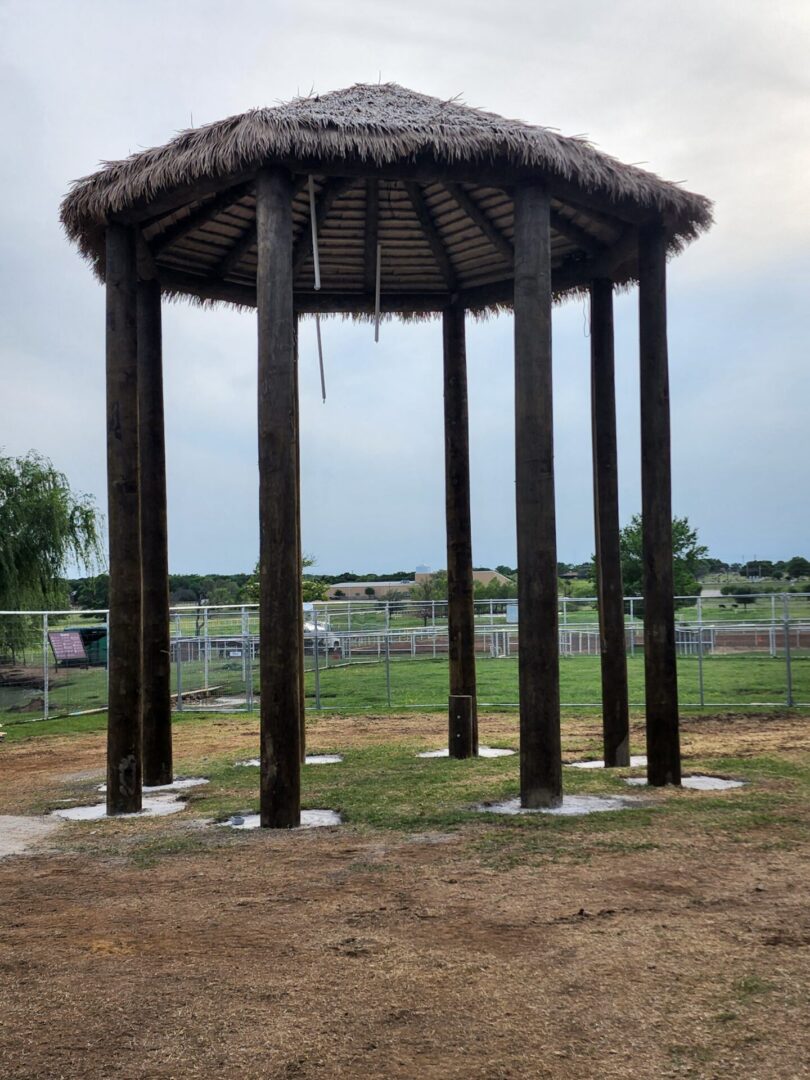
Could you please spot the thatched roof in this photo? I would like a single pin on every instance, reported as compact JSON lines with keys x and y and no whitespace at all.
{"x":430,"y":179}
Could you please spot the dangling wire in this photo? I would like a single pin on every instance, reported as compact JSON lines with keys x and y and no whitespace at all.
{"x":316,"y":260}
{"x":377,"y":294}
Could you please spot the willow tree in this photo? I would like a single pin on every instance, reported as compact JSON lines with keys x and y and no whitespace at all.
{"x":44,"y":527}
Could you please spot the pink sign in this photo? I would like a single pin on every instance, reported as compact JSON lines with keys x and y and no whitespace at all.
{"x":67,"y":645}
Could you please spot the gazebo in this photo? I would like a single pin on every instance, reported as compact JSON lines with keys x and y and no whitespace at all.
{"x":410,"y":206}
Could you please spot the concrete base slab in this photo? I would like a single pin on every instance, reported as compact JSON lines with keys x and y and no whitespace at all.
{"x":310,"y":759}
{"x":310,"y":819}
{"x":153,"y":806}
{"x":483,"y":751}
{"x":20,"y":834}
{"x":175,"y":785}
{"x":696,"y":783}
{"x":636,"y":761}
{"x":572,"y":805}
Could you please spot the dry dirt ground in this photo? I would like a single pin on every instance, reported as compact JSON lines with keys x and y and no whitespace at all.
{"x":367,"y":953}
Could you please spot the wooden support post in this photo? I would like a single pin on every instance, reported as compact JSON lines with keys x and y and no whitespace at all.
{"x":460,"y":608}
{"x":301,"y":680}
{"x":615,"y":716}
{"x":279,"y":627}
{"x":157,"y":709}
{"x":539,"y":671}
{"x":124,"y":752}
{"x":660,"y":672}
{"x":462,"y":726}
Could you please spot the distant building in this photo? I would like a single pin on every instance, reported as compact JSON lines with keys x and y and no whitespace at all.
{"x":359,"y":590}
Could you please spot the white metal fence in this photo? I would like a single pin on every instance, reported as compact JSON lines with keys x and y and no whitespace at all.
{"x":368,"y":654}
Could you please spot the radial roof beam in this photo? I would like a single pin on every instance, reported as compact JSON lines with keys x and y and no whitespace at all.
{"x":431,"y":234}
{"x":488,"y":227}
{"x":197,"y":218}
{"x":577,"y":235}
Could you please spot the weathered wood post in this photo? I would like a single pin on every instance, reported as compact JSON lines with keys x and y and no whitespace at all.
{"x":279,"y":572}
{"x":124,"y":751}
{"x":538,"y":655}
{"x":615,"y":713}
{"x":460,"y":606}
{"x":660,"y":671}
{"x":302,"y":699}
{"x":157,"y":709}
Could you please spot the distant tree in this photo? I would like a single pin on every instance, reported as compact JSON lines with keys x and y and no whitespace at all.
{"x":312,"y":588}
{"x":43,"y":527}
{"x":797,"y":567}
{"x":507,"y":571}
{"x":368,"y":591}
{"x":687,"y":554}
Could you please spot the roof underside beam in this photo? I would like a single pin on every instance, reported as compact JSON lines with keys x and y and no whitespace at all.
{"x":198,"y":218}
{"x":473,"y":211}
{"x":432,"y":236}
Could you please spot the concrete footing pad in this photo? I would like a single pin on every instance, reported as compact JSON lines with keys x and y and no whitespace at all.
{"x":696,"y":783}
{"x":310,"y":759}
{"x":175,"y":785}
{"x":483,"y":751}
{"x":572,"y":806}
{"x":310,"y":819}
{"x":153,"y":806}
{"x":636,"y":761}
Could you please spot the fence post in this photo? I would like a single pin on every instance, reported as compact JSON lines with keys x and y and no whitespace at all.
{"x":247,"y":659}
{"x":772,"y":635}
{"x":632,"y":627}
{"x":207,"y":648}
{"x":178,"y":662}
{"x":788,"y":670}
{"x":700,"y":650}
{"x":107,"y":658}
{"x":45,"y":668}
{"x":388,"y":666}
{"x":316,"y":657}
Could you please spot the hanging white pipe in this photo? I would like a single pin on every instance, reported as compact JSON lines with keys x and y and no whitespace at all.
{"x":377,"y":294}
{"x":320,"y":356}
{"x":314,"y":223}
{"x":316,"y":260}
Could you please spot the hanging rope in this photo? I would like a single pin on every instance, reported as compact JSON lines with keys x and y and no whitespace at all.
{"x":316,"y":260}
{"x":377,"y":295}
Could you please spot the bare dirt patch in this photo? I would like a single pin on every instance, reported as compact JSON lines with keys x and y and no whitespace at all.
{"x":664,"y":951}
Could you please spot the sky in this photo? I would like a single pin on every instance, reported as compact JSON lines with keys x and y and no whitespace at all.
{"x":713,"y":93}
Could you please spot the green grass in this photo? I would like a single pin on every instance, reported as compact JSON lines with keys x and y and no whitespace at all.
{"x":360,"y":686}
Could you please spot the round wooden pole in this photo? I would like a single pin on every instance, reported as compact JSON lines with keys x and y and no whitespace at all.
{"x":539,"y":671}
{"x":301,"y":683}
{"x":615,"y":715}
{"x":660,"y":671}
{"x":460,"y":607}
{"x":157,"y":709}
{"x":124,"y":751}
{"x":280,"y":641}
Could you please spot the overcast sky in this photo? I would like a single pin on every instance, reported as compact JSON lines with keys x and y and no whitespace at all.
{"x":714,"y":93}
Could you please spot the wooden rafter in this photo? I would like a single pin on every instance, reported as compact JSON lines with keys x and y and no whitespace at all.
{"x":488,"y":227}
{"x":432,"y":236}
{"x":237,"y":252}
{"x":575,"y":233}
{"x":245,"y":241}
{"x":197,"y":218}
{"x":331,"y":191}
{"x":371,"y":234}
